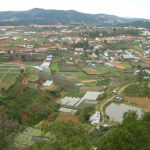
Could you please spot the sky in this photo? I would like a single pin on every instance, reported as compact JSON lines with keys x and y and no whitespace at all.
{"x":123,"y":8}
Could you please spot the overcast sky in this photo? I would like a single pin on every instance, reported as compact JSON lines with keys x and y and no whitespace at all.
{"x":125,"y":8}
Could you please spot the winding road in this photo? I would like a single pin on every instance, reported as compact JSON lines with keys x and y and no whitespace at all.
{"x":102,"y":111}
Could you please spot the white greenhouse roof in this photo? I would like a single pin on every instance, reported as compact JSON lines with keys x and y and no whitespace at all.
{"x":62,"y":109}
{"x":70,"y":101}
{"x":91,"y":95}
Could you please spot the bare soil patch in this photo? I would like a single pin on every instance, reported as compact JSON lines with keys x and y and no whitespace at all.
{"x":18,"y":62}
{"x":118,"y":65}
{"x":90,"y":71}
{"x":71,"y":78}
{"x":88,"y":81}
{"x":141,"y":101}
{"x":85,"y":88}
{"x":25,"y":116}
{"x":68,"y":117}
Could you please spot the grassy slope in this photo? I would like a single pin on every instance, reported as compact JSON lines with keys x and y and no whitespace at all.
{"x":22,"y":99}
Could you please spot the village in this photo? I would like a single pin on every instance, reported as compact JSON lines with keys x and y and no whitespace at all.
{"x":80,"y":73}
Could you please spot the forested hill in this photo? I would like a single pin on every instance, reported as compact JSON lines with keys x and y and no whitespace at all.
{"x":42,"y":16}
{"x":137,"y":23}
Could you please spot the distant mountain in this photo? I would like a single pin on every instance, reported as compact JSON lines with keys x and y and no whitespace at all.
{"x":137,"y":23}
{"x":42,"y":16}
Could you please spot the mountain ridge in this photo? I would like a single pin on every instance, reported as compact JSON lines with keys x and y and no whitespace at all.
{"x":52,"y":16}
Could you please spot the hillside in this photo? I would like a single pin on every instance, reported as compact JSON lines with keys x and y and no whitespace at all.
{"x":42,"y":16}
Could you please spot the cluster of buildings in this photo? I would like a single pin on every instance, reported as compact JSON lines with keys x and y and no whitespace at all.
{"x":72,"y":104}
{"x":95,"y":118}
{"x":46,"y":63}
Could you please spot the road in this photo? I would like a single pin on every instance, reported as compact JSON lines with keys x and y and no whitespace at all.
{"x":102,"y":111}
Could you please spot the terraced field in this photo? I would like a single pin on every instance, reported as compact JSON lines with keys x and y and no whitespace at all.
{"x":8,"y":74}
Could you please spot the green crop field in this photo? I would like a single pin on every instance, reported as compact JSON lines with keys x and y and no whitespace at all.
{"x":8,"y":74}
{"x":102,"y":69}
{"x":26,"y":137}
{"x":54,"y":67}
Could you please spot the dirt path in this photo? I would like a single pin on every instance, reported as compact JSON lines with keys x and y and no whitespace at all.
{"x":102,"y":111}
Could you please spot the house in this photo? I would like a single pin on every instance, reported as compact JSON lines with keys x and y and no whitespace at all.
{"x":128,"y":56}
{"x":48,"y":83}
{"x":79,"y":49}
{"x":147,"y":69}
{"x":95,"y":118}
{"x":2,"y":52}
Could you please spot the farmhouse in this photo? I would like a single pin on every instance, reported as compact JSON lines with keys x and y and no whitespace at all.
{"x":95,"y":118}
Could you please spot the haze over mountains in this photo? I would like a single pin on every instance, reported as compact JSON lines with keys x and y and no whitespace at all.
{"x":42,"y":16}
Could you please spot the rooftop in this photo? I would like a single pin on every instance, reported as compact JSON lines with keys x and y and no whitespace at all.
{"x":62,"y":109}
{"x":48,"y":83}
{"x":69,"y":101}
{"x":91,"y":95}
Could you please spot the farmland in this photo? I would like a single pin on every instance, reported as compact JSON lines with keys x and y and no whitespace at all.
{"x":41,"y":66}
{"x":54,"y":67}
{"x":143,"y":102}
{"x":8,"y":74}
{"x":68,"y":117}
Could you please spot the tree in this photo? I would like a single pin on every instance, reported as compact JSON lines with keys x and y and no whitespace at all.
{"x":146,"y":116}
{"x":130,"y":116}
{"x":131,"y":135}
{"x":67,"y":136}
{"x":97,"y":52}
{"x":3,"y":142}
{"x":63,"y":83}
{"x":1,"y":59}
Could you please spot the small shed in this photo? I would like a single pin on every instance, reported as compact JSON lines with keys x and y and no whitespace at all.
{"x":48,"y":83}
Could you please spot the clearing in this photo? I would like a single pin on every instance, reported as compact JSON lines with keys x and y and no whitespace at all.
{"x":68,"y":117}
{"x":144,"y":102}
